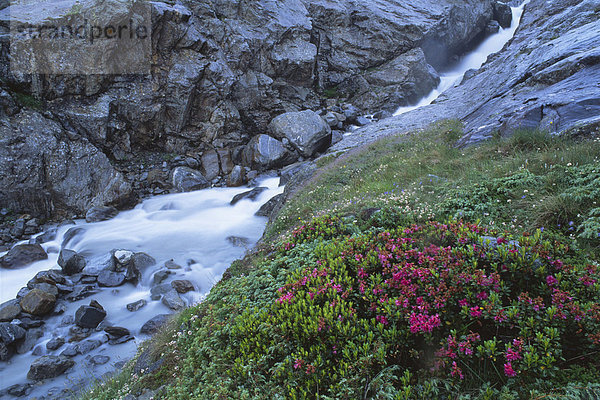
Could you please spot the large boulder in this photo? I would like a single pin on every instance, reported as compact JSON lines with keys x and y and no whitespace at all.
{"x":305,"y":130}
{"x":9,"y":310}
{"x":264,"y":152}
{"x":49,"y":367}
{"x":89,"y":316}
{"x":71,"y":262}
{"x":44,"y":172}
{"x":38,"y":302}
{"x":10,"y":333}
{"x":22,"y":255}
{"x":154,"y":324}
{"x":185,"y":179}
{"x":502,"y":14}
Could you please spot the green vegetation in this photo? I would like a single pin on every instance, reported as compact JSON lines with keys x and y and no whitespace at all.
{"x":424,"y":271}
{"x":27,"y":100}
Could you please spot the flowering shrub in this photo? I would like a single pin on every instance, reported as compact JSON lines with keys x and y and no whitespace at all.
{"x":448,"y":300}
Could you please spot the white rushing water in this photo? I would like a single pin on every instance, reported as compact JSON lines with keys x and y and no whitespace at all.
{"x":190,"y":228}
{"x":473,"y":60}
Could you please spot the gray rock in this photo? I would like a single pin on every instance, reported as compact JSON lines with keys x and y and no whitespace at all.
{"x":55,"y":343}
{"x":185,"y":179}
{"x":99,"y":359}
{"x":249,"y":195}
{"x":100,"y":213}
{"x":123,"y":257}
{"x":38,"y":302}
{"x":336,"y":136}
{"x":20,"y":389}
{"x":10,"y":333}
{"x":160,"y":276}
{"x":43,"y":286}
{"x":502,"y":14}
{"x":172,"y":300}
{"x":31,"y":338}
{"x":111,"y":279}
{"x":81,"y":292}
{"x":71,"y":262}
{"x":47,"y":236}
{"x":157,"y":291}
{"x":18,"y":228}
{"x":22,"y":255}
{"x":49,"y":172}
{"x":182,"y":286}
{"x":51,"y":276}
{"x":305,"y":130}
{"x":238,"y":241}
{"x":121,"y":340}
{"x":172,"y":265}
{"x":116,"y":331}
{"x":237,"y":177}
{"x":136,"y":305}
{"x":6,"y":352}
{"x":9,"y":310}
{"x":154,"y":324}
{"x":210,"y":164}
{"x":49,"y":367}
{"x":492,"y":27}
{"x":264,"y":152}
{"x":267,"y":209}
{"x":89,"y":316}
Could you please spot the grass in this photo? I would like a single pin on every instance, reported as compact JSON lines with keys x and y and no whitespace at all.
{"x":422,"y":170}
{"x":529,"y":181}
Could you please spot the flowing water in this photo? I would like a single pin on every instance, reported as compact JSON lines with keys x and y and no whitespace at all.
{"x":194,"y":229}
{"x":473,"y":60}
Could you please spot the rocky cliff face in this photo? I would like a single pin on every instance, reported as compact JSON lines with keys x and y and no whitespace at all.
{"x":222,"y":70}
{"x":546,"y":77}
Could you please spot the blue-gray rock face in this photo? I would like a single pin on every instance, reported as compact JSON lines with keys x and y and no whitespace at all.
{"x":545,"y":77}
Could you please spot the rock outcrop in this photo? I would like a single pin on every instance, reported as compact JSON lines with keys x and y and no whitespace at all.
{"x":546,"y":77}
{"x":219,"y":73}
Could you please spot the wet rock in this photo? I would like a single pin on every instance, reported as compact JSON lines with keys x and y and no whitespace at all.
{"x":116,"y":331}
{"x":86,"y":346}
{"x":78,"y":333}
{"x":20,"y":389}
{"x":172,"y":265}
{"x":43,"y":286}
{"x":47,"y":236}
{"x":121,"y":340}
{"x":5,"y":352}
{"x":9,"y":310}
{"x":157,"y":291}
{"x":238,"y":241}
{"x":31,"y":338}
{"x":160,"y":276}
{"x":22,"y":255}
{"x":38,"y":351}
{"x":154,"y":324}
{"x":172,"y":300}
{"x":52,"y":277}
{"x":123,"y":257}
{"x":237,"y":177}
{"x":139,"y":262}
{"x":305,"y":130}
{"x":99,"y":359}
{"x":49,"y":367}
{"x":28,"y":323}
{"x":81,"y":292}
{"x":266,"y":210}
{"x":89,"y":316}
{"x":100,"y":213}
{"x":492,"y":27}
{"x":249,"y":195}
{"x":264,"y":152}
{"x":38,"y":302}
{"x":10,"y":333}
{"x":503,"y":14}
{"x":111,"y":279}
{"x":55,"y":343}
{"x":336,"y":136}
{"x":136,"y":305}
{"x":72,"y":236}
{"x":185,"y":179}
{"x":182,"y":286}
{"x":71,"y":262}
{"x":65,"y":289}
